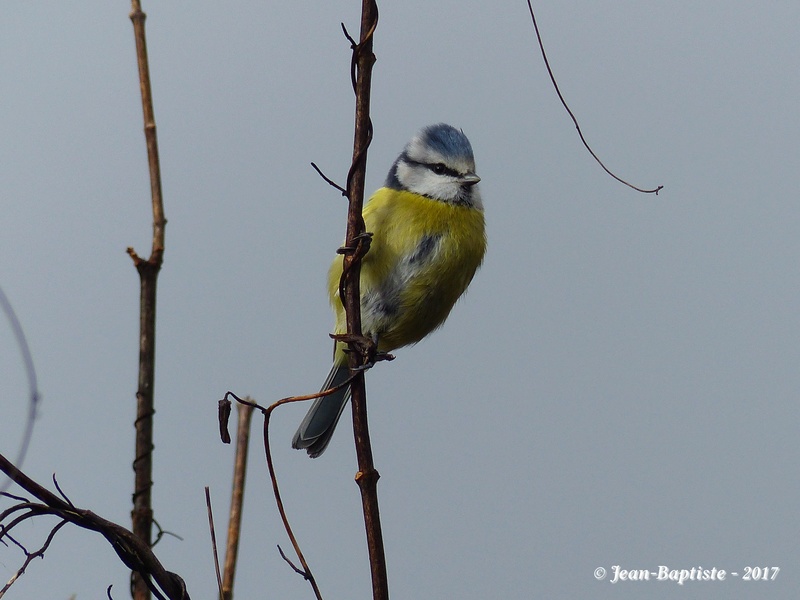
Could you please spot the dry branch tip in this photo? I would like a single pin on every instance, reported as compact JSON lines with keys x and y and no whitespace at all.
{"x":349,"y":37}
{"x":291,"y":564}
{"x":328,"y":180}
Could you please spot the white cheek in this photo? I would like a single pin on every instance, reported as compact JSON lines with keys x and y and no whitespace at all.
{"x":436,"y":186}
{"x":427,"y":183}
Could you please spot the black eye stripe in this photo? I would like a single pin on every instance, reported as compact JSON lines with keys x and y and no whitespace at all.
{"x":438,"y":168}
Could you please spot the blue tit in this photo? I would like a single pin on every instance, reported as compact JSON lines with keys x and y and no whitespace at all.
{"x":428,"y":240}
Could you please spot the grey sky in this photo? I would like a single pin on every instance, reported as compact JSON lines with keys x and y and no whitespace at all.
{"x":618,"y":387}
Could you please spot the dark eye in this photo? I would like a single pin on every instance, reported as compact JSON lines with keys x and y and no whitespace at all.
{"x":439,"y":169}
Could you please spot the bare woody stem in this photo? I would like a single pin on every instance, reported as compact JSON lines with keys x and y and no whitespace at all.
{"x":245,"y":412}
{"x":142,"y":513}
{"x":138,"y":18}
{"x":367,"y":476}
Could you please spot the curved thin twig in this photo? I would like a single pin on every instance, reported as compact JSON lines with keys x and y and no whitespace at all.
{"x":306,"y":572}
{"x":572,"y":116}
{"x":267,"y":412}
{"x":30,"y":372}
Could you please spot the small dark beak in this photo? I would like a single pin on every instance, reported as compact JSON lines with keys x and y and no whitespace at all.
{"x":470,"y":179}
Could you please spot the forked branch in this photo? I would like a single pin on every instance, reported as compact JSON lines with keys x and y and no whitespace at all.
{"x":132,"y":550}
{"x":148,"y":269}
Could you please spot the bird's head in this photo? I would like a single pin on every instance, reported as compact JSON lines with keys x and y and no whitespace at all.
{"x":438,"y":163}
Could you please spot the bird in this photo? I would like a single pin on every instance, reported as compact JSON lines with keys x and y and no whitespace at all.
{"x":428,"y":240}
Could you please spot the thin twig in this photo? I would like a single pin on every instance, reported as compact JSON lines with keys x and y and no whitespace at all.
{"x":213,"y":542}
{"x":267,"y":412}
{"x":572,"y":116}
{"x":328,"y":180}
{"x":14,"y":497}
{"x":60,"y":491}
{"x":161,"y":532}
{"x":291,"y":564}
{"x":31,"y":555}
{"x":307,"y":574}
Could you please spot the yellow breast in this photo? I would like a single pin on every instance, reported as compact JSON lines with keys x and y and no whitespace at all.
{"x":423,"y":256}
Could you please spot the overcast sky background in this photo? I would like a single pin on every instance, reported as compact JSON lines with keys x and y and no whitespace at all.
{"x":618,"y":387}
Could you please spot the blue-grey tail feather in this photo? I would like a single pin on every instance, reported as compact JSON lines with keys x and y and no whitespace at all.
{"x":317,"y":427}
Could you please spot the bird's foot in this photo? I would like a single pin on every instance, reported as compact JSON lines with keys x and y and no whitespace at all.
{"x":376,"y":357}
{"x":366,"y":347}
{"x":358,"y":246}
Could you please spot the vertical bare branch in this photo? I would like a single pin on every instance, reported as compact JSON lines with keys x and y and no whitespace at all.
{"x":237,"y":497}
{"x":142,"y":513}
{"x":138,"y":18}
{"x":367,"y":476}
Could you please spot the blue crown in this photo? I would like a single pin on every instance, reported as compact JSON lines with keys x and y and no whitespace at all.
{"x":447,"y":140}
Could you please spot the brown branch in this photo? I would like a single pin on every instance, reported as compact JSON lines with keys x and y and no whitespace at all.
{"x":159,"y":221}
{"x":367,"y":476}
{"x":131,"y":549}
{"x":237,"y":498}
{"x":357,"y":243}
{"x":572,"y":116}
{"x":142,"y":513}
